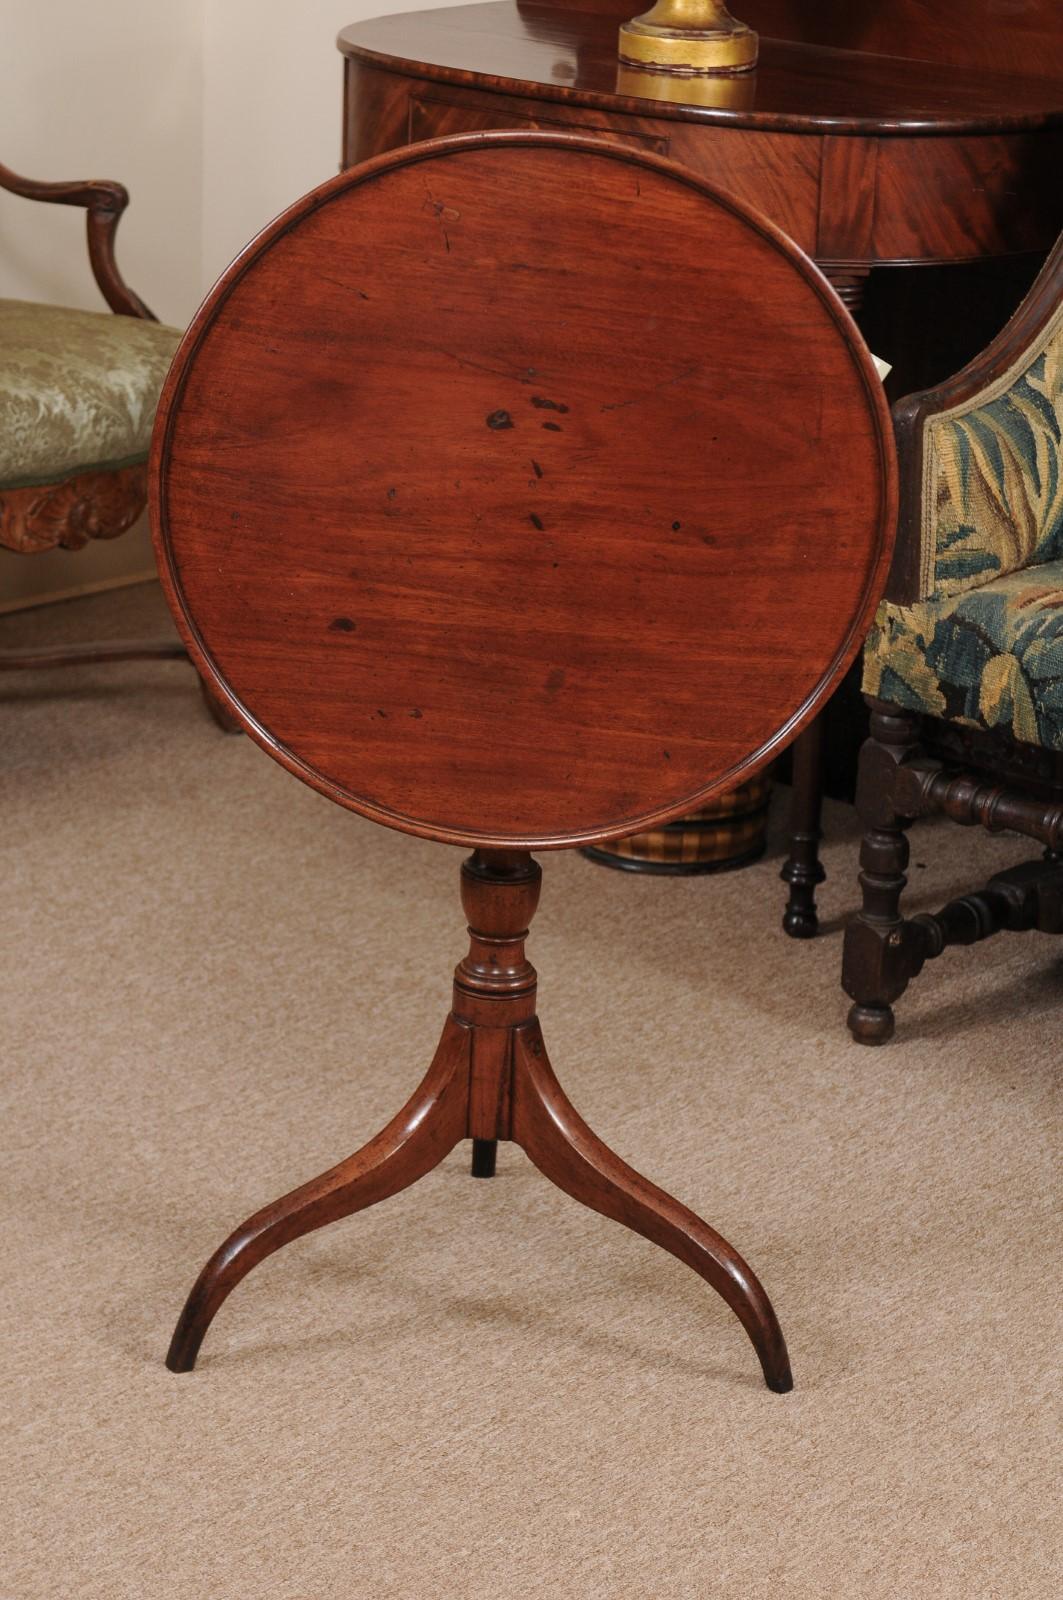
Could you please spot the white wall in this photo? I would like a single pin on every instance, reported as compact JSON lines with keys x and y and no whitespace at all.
{"x":273,"y":101}
{"x":109,"y":90}
{"x":273,"y":98}
{"x":112,"y":89}
{"x":216,"y":114}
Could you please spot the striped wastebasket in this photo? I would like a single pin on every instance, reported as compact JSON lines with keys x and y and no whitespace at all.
{"x":729,"y":832}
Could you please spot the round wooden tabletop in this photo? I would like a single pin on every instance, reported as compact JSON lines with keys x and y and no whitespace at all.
{"x":521,"y":489}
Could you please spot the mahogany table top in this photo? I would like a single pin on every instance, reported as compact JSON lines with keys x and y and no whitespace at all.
{"x":497,"y":532}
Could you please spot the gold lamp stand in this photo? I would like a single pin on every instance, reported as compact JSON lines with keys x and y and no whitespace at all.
{"x":688,"y":38}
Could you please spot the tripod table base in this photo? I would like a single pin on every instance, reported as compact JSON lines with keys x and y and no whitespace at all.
{"x":490,"y":1079}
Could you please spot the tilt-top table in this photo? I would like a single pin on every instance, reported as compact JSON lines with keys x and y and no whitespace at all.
{"x":409,"y":514}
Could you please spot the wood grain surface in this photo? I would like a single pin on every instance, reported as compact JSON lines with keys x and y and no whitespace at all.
{"x":1021,"y":38}
{"x":490,"y":1079}
{"x":522,"y":490}
{"x":886,"y":66}
{"x":861,"y":155}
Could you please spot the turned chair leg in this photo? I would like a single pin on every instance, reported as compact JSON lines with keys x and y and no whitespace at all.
{"x":882,"y":951}
{"x":803,"y":870}
{"x":490,"y":1080}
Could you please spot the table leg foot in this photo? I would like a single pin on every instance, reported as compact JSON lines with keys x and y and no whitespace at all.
{"x":484,"y":1154}
{"x":564,"y":1148}
{"x":427,"y":1128}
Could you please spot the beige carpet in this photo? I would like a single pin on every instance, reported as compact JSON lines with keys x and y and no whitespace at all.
{"x":217,"y":983}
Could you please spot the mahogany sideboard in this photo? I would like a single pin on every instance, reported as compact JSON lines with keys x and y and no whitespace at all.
{"x":895,"y":144}
{"x":914,"y":148}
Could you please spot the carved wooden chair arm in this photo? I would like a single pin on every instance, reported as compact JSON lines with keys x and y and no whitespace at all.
{"x":964,"y":446}
{"x":104,"y":203}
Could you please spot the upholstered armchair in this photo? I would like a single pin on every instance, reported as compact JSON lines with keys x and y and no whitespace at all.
{"x":78,"y":391}
{"x":963,"y":669}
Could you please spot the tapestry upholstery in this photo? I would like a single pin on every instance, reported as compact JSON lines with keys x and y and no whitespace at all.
{"x":78,"y":390}
{"x":993,"y":476}
{"x":984,"y":644}
{"x":991,"y":657}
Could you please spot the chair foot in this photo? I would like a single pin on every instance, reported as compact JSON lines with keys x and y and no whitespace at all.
{"x":871,"y":1024}
{"x":882,"y":951}
{"x":484,"y":1155}
{"x":427,"y":1128}
{"x":800,"y":922}
{"x":559,"y":1142}
{"x":803,"y":870}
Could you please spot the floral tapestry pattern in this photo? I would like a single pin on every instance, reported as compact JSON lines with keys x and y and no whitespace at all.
{"x":990,"y":658}
{"x":993,"y":493}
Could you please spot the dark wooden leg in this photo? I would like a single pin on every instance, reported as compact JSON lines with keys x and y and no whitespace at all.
{"x":881,"y":951}
{"x":484,"y":1155}
{"x":849,"y":281}
{"x":803,"y":869}
{"x":489,"y":1080}
{"x":221,"y":714}
{"x":513,"y":1094}
{"x":563,"y":1147}
{"x":85,"y":655}
{"x":427,"y":1128}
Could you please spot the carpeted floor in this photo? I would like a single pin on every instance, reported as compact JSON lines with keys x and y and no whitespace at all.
{"x":217,"y":983}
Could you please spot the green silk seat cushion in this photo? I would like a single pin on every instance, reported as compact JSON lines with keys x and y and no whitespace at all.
{"x":990,"y":658}
{"x":78,"y":390}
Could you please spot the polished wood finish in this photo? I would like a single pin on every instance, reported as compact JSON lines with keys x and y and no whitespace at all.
{"x":1020,"y":38}
{"x":863,"y":158}
{"x":537,"y":477}
{"x":569,"y":55}
{"x":90,"y":505}
{"x":490,"y":1079}
{"x":416,"y":533}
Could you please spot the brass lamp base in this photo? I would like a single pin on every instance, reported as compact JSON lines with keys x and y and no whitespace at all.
{"x":723,"y":91}
{"x":691,"y":38}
